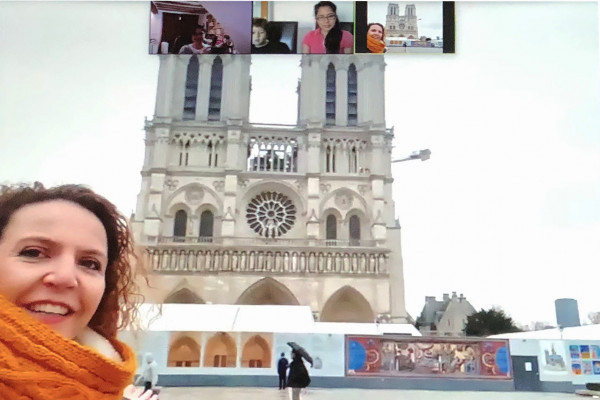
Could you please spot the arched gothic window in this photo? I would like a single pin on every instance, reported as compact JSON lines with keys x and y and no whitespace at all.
{"x":353,"y":160}
{"x":330,"y":96}
{"x":184,"y":155}
{"x":354,"y":230}
{"x":352,"y":96}
{"x":213,"y":156}
{"x":216,"y":88}
{"x":330,"y":158}
{"x":180,"y":226}
{"x":206,"y":226}
{"x":331,"y":227}
{"x":191,"y":89}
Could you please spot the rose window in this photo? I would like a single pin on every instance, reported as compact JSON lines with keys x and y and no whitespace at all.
{"x":271,"y":214}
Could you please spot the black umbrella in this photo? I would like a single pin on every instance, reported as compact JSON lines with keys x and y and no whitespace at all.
{"x":300,"y":350}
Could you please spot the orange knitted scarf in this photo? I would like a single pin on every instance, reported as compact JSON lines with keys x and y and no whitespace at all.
{"x":38,"y":363}
{"x":374,"y":45}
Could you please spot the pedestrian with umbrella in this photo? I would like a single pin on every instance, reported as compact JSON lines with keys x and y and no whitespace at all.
{"x":298,"y":376}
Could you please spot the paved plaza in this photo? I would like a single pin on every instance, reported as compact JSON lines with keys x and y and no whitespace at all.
{"x":242,"y":393}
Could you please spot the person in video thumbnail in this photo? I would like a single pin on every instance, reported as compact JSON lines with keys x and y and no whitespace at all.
{"x":197,"y":46}
{"x":328,"y":37}
{"x":66,"y":264}
{"x":376,"y":38}
{"x":261,"y":41}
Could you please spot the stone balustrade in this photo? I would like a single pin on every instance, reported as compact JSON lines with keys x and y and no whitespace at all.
{"x":213,"y":258}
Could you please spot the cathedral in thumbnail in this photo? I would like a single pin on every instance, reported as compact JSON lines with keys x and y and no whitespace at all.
{"x":233,"y":212}
{"x":401,"y":25}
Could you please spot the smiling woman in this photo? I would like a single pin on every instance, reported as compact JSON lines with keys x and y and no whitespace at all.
{"x":66,"y":288}
{"x":328,"y":37}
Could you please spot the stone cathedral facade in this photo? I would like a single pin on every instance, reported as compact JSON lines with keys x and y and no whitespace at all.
{"x":400,"y":25}
{"x":232,"y":212}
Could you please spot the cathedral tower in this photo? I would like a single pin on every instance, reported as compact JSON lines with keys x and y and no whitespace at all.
{"x":240,"y":213}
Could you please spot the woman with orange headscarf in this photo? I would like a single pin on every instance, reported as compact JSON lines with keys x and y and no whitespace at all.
{"x":376,"y":38}
{"x":66,"y":258}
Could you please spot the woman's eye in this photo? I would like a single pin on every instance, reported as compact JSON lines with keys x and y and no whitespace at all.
{"x":91,"y":264}
{"x":31,"y":253}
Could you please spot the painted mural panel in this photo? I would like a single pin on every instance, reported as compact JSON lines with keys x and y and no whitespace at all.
{"x":553,"y":361}
{"x":584,"y":361}
{"x":420,"y":357}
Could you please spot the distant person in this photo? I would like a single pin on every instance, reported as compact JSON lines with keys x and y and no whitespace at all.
{"x":282,"y":366}
{"x":376,"y":38}
{"x":197,"y":45}
{"x":149,"y":373}
{"x":262,"y":43}
{"x":328,"y":37}
{"x":298,"y":377}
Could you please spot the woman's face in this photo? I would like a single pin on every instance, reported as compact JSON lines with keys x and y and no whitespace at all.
{"x":376,"y":32}
{"x":325,"y":18}
{"x":259,"y":36}
{"x":53,"y":258}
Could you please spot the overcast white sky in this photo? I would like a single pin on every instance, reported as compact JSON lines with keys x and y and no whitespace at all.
{"x":507,"y":211}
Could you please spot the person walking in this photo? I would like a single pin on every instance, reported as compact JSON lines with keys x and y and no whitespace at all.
{"x":149,"y":373}
{"x":298,"y":377}
{"x":282,"y":366}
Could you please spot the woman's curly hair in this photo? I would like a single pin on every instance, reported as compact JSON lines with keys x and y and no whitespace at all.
{"x":118,"y":306}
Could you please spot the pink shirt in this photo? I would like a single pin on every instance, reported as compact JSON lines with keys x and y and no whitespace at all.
{"x":316,"y":42}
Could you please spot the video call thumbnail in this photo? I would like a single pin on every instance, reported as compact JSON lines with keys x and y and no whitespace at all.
{"x":301,"y":27}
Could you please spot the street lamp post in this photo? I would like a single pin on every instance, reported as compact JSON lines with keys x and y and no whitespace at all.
{"x":422,"y":155}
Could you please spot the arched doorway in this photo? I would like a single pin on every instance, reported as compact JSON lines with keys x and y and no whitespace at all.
{"x":184,"y":352}
{"x":220,"y":351}
{"x":256,"y":353}
{"x":267,"y":291}
{"x":347,"y":305}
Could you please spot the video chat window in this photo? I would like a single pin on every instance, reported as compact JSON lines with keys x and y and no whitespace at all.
{"x":193,"y":27}
{"x":301,"y":27}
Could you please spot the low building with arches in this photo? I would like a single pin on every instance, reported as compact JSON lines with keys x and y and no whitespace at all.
{"x":239,"y":344}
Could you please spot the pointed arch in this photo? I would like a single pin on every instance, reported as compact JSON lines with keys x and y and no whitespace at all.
{"x":347,"y":305}
{"x":359,"y":203}
{"x":191,"y":89}
{"x":178,"y":199}
{"x":267,"y":291}
{"x":183,"y":296}
{"x":216,"y":89}
{"x":352,"y":96}
{"x":330,"y":95}
{"x":256,"y":353}
{"x":220,"y":351}
{"x":184,"y":352}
